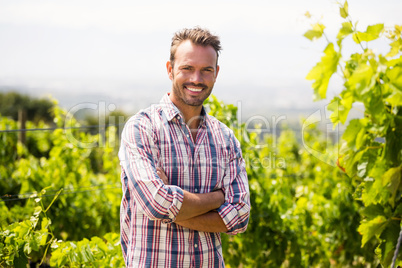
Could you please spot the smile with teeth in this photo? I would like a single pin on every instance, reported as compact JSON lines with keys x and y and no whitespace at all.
{"x":194,"y":89}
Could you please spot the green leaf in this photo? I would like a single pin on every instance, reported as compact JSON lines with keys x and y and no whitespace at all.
{"x":373,"y":211}
{"x":351,"y":131}
{"x":346,"y":102}
{"x":344,"y":10}
{"x":351,"y":165}
{"x":37,"y":211}
{"x":23,"y":228}
{"x":375,"y":30}
{"x":42,"y":238}
{"x":340,"y":107}
{"x":371,"y":228}
{"x":85,"y":252}
{"x":361,"y":138}
{"x":395,"y":98}
{"x":396,"y":47}
{"x":311,"y":35}
{"x":101,"y":245}
{"x":398,"y":211}
{"x":375,"y":105}
{"x":34,"y":221}
{"x":34,"y":242}
{"x":45,"y":223}
{"x":393,"y":145}
{"x":361,"y":80}
{"x":323,"y":71}
{"x":395,"y":77}
{"x":362,"y":169}
{"x":345,"y":30}
{"x":333,"y":106}
{"x":21,"y":261}
{"x":376,"y":192}
{"x":316,"y":32}
{"x":391,"y":180}
{"x":307,"y":14}
{"x":372,"y":33}
{"x":389,"y":239}
{"x":28,"y":247}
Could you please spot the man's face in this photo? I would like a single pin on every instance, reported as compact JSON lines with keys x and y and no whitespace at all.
{"x":193,"y":74}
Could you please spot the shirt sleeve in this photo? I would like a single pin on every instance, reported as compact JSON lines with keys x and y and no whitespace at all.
{"x":235,"y":211}
{"x":138,"y":157}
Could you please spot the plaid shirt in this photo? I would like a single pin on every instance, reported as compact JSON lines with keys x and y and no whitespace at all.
{"x":156,"y":137}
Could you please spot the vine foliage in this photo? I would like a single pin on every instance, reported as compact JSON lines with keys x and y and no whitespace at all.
{"x":371,"y":150}
{"x":29,"y":237}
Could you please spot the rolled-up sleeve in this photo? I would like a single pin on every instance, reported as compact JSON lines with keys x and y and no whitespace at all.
{"x":235,"y":211}
{"x":138,"y":157}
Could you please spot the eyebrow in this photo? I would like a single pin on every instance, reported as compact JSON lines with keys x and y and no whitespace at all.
{"x":191,"y":66}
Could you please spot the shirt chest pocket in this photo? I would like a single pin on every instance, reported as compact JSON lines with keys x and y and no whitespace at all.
{"x":175,"y":161}
{"x":211,"y":169}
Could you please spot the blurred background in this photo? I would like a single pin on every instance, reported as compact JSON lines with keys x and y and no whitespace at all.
{"x":313,"y":204}
{"x":115,"y":52}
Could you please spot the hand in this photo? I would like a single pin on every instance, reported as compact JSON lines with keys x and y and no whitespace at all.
{"x":162,"y":175}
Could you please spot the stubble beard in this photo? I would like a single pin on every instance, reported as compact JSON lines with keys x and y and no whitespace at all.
{"x":179,"y":92}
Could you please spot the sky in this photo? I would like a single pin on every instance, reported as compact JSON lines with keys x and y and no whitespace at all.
{"x":116,"y":51}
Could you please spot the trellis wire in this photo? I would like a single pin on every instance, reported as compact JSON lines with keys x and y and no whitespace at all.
{"x":398,"y":245}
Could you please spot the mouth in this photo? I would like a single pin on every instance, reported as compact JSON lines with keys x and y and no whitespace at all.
{"x":194,"y":89}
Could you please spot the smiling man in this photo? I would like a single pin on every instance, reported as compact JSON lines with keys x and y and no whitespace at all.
{"x":183,"y":175}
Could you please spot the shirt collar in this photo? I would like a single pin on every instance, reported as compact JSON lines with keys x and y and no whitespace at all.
{"x":169,"y":108}
{"x":172,"y":111}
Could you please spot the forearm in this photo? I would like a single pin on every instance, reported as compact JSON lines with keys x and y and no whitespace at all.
{"x":194,"y":205}
{"x":208,"y":222}
{"x":198,"y":204}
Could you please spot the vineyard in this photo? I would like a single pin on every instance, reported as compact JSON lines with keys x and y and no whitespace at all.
{"x":60,"y":188}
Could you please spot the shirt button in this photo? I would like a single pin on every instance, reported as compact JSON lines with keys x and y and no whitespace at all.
{"x":196,"y":190}
{"x":195,"y":245}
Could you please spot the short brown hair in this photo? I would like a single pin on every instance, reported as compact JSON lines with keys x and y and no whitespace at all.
{"x":197,"y":36}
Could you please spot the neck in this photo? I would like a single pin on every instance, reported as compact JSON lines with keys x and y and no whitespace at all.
{"x":191,"y":115}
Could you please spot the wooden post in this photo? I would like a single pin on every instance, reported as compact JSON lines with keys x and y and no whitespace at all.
{"x":22,"y":118}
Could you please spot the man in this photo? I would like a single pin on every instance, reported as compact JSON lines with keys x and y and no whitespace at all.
{"x":184,"y":179}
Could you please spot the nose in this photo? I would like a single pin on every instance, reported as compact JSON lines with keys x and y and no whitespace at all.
{"x":196,"y":77}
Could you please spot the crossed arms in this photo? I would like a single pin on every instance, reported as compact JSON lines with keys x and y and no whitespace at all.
{"x":226,"y":210}
{"x":197,"y":209}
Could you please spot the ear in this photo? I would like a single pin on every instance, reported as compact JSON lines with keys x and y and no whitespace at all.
{"x":169,"y":69}
{"x":217,"y":71}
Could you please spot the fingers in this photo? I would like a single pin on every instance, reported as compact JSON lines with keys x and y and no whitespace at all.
{"x":159,"y":170}
{"x":162,"y":175}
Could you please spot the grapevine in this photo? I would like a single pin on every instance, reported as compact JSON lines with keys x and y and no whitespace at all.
{"x":371,"y":153}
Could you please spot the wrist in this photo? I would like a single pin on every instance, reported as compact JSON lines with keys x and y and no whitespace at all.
{"x":220,"y":195}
